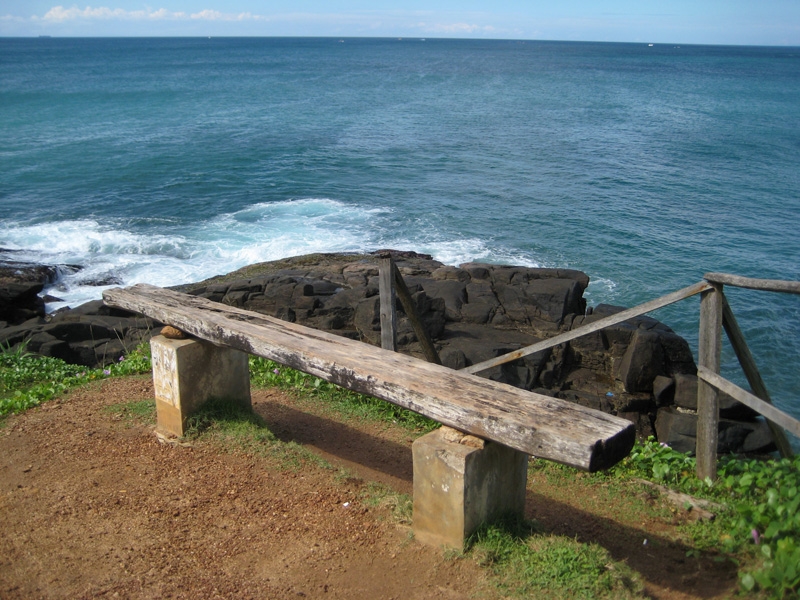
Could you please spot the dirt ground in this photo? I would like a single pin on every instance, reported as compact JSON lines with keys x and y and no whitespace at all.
{"x":92,"y":505}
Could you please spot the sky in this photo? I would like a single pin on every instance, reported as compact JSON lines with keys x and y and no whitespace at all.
{"x":739,"y":22}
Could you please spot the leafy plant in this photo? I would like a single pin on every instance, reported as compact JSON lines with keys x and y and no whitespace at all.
{"x":763,"y":498}
{"x":27,"y":380}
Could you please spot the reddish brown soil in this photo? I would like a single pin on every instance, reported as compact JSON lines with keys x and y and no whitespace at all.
{"x":93,"y":506}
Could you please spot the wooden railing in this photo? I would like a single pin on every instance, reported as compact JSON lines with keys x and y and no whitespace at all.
{"x":715,"y":315}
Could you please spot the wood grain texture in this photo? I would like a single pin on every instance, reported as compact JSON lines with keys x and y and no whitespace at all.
{"x":767,"y":285}
{"x":532,"y":423}
{"x":388,"y":307}
{"x":404,"y":295}
{"x":709,"y":353}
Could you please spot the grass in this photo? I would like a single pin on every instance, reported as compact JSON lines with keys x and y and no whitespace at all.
{"x":760,"y":525}
{"x":399,"y":505}
{"x":231,"y":426}
{"x":135,"y":412}
{"x":758,"y":528}
{"x":529,"y":564}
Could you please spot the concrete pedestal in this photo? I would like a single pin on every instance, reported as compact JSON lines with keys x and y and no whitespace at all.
{"x":458,"y":487}
{"x":187,"y":373}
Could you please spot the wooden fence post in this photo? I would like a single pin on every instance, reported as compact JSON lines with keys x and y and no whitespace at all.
{"x":407,"y":302}
{"x":709,"y":351}
{"x":393,"y":288}
{"x":388,"y":303}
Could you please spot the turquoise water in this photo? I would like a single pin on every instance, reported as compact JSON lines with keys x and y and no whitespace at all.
{"x":170,"y":160}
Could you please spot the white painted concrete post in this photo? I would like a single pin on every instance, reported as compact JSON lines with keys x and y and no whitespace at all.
{"x":187,"y":373}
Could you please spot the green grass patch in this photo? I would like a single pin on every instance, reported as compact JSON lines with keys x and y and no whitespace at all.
{"x":266,"y":373}
{"x":234,"y":427}
{"x":401,"y":506}
{"x":529,"y":564}
{"x":27,"y":380}
{"x":135,"y":412}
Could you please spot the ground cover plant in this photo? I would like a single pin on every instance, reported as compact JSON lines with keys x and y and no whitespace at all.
{"x":28,"y":379}
{"x":760,"y":526}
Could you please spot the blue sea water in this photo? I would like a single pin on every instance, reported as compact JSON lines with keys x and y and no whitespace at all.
{"x":171,"y":160}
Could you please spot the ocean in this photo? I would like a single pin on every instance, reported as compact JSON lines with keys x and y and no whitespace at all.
{"x":168,"y":161}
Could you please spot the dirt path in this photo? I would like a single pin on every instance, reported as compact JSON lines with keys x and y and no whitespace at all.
{"x":93,"y":506}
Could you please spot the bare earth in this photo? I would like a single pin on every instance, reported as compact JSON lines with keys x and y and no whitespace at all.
{"x":92,"y":505}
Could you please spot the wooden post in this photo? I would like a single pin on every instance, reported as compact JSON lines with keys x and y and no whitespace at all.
{"x":393,"y":288}
{"x":709,"y":351}
{"x":404,"y":295}
{"x":752,"y":373}
{"x":388,"y":303}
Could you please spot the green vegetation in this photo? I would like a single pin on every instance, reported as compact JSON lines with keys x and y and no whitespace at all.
{"x":761,"y":526}
{"x":135,"y":412}
{"x":530,"y":564}
{"x":232,"y":427}
{"x":27,"y":380}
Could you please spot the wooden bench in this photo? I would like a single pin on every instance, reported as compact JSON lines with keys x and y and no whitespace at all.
{"x":452,"y":492}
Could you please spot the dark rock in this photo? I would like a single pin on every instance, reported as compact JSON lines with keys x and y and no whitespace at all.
{"x":642,"y":362}
{"x":663,"y":390}
{"x":729,"y":408}
{"x":678,"y":429}
{"x":20,"y":301}
{"x":92,"y":334}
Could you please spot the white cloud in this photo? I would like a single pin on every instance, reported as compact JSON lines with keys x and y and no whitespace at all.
{"x":59,"y":14}
{"x":215,"y":15}
{"x":456,"y":28}
{"x":208,"y":15}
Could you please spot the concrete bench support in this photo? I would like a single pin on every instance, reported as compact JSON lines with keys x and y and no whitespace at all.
{"x":187,"y":373}
{"x":458,"y":487}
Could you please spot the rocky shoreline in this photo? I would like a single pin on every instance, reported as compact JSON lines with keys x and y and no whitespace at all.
{"x":640,"y":369}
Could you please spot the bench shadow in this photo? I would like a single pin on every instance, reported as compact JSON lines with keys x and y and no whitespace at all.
{"x":661,"y":561}
{"x":367,"y":456}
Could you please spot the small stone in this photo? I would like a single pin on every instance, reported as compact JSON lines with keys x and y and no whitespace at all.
{"x":472,"y":441}
{"x":173,"y":333}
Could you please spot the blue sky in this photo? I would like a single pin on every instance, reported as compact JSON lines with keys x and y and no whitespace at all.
{"x":759,"y":22}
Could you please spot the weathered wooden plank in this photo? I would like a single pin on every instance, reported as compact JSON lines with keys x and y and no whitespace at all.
{"x":752,"y":373}
{"x":767,"y":285}
{"x":769,"y":411}
{"x":709,"y":352}
{"x":620,"y":317}
{"x":532,"y":423}
{"x":404,"y":295}
{"x":388,"y":308}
